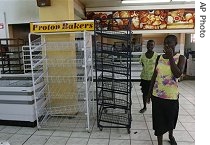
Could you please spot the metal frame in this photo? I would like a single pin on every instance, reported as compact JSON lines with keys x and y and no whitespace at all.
{"x":113,"y":78}
{"x":64,"y":115}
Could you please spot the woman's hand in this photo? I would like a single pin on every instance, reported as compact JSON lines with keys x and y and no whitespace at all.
{"x":168,"y":51}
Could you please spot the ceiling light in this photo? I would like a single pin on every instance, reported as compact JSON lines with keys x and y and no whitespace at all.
{"x":144,"y":1}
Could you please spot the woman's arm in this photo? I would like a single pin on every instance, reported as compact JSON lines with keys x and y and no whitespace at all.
{"x":176,"y":69}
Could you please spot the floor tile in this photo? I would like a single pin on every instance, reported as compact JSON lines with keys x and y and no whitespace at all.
{"x":80,"y":134}
{"x":44,"y":132}
{"x":135,"y":111}
{"x":184,"y":101}
{"x":189,"y":126}
{"x":192,"y":133}
{"x":136,"y":106}
{"x":149,"y":124}
{"x":141,"y":127}
{"x":10,"y":129}
{"x":18,"y":139}
{"x":179,"y":126}
{"x":100,"y":134}
{"x":186,"y":118}
{"x":54,"y":140}
{"x":154,"y":138}
{"x":62,"y":133}
{"x":185,"y":143}
{"x":191,"y":111}
{"x":77,"y":141}
{"x":148,"y":111}
{"x":188,"y":106}
{"x":148,"y":117}
{"x":5,"y":136}
{"x":119,"y":142}
{"x":138,"y":125}
{"x":27,"y":130}
{"x":165,"y":142}
{"x":119,"y":133}
{"x":2,"y":127}
{"x":182,"y":136}
{"x":36,"y":140}
{"x":140,"y":135}
{"x":98,"y":141}
{"x":183,"y":111}
{"x":138,"y":117}
{"x":136,"y":142}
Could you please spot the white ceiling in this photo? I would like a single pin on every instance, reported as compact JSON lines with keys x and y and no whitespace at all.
{"x":117,"y":3}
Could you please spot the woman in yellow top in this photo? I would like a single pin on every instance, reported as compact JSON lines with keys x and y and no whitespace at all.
{"x":148,"y":61}
{"x":164,"y":90}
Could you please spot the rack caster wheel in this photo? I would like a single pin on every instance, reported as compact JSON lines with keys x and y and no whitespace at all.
{"x":128,"y":130}
{"x":100,"y":128}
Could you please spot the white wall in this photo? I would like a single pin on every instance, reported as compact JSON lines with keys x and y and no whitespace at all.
{"x":19,"y":11}
{"x":3,"y":27}
{"x":79,"y":10}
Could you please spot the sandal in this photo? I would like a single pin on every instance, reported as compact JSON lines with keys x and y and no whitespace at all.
{"x":172,"y":141}
{"x":142,"y":110}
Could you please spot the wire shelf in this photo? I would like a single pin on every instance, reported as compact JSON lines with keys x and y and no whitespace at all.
{"x":113,"y":78}
{"x":64,"y":46}
{"x":116,"y":83}
{"x":67,"y":79}
{"x":113,"y":100}
{"x":115,"y":87}
{"x":68,"y":62}
{"x":112,"y":49}
{"x":68,"y":123}
{"x":112,"y":67}
{"x":70,"y":117}
{"x":115,"y":116}
{"x":66,"y":70}
{"x":36,"y":42}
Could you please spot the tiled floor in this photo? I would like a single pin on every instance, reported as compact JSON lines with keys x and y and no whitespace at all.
{"x":141,"y":131}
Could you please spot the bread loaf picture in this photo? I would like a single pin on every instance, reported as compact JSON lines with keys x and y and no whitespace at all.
{"x":104,"y":16}
{"x":181,"y":19}
{"x":153,"y":19}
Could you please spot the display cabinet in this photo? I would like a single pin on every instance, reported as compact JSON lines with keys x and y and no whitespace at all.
{"x":17,"y":104}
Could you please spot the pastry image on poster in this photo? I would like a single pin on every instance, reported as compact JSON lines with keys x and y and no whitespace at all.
{"x":181,"y":19}
{"x":121,"y":19}
{"x":153,"y":19}
{"x":135,"y":24}
{"x":100,"y":15}
{"x":134,"y":15}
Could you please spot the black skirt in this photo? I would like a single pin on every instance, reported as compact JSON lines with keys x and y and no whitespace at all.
{"x":164,"y":114}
